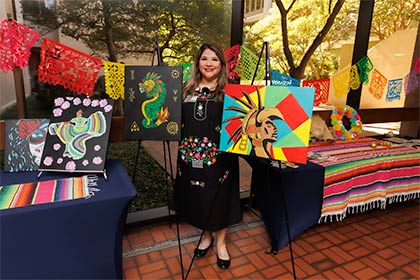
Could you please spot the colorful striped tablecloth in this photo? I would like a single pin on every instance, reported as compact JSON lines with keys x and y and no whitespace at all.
{"x":359,"y":177}
{"x":19,"y":195}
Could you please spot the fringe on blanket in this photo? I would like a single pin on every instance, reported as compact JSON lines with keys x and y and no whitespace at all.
{"x":360,"y":208}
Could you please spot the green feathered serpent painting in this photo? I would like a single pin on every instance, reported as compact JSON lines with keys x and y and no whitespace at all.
{"x":152,"y":102}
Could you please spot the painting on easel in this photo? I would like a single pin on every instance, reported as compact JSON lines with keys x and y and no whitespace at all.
{"x":267,"y":121}
{"x":152,"y":102}
{"x":78,"y":133}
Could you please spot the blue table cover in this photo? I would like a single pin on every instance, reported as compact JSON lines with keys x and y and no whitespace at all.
{"x":73,"y":239}
{"x":302,"y":188}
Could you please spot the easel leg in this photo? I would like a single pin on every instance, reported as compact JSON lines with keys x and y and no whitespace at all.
{"x":135,"y":163}
{"x":286,"y":219}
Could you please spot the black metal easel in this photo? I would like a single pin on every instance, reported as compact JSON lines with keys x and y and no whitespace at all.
{"x":166,"y":149}
{"x":283,"y":198}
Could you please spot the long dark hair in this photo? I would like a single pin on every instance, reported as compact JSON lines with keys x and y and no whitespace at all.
{"x":196,"y":77}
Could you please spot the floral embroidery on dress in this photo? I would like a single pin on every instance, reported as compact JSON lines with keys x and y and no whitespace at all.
{"x":198,"y":183}
{"x":200,"y":105}
{"x":223,"y":178}
{"x":196,"y":149}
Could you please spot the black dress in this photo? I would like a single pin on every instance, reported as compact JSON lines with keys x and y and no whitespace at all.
{"x":206,"y":190}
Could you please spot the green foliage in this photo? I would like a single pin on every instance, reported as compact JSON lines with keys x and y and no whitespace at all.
{"x":393,"y":15}
{"x":305,"y":20}
{"x":149,"y":179}
{"x":114,"y":30}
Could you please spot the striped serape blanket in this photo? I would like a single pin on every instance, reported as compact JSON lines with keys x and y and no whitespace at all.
{"x":19,"y":195}
{"x":359,"y":177}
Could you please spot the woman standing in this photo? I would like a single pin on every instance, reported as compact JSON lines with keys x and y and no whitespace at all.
{"x":207,"y":183}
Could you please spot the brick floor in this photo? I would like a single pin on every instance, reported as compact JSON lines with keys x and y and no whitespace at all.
{"x":377,"y":244}
{"x":325,"y":251}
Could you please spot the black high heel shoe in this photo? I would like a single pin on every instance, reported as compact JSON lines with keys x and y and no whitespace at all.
{"x":199,"y":253}
{"x":223,"y":264}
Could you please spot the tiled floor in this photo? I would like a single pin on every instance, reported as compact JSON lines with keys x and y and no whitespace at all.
{"x":377,"y":244}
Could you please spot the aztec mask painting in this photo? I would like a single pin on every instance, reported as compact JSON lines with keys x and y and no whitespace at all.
{"x":267,"y":121}
{"x":152,"y":102}
{"x":24,"y":144}
{"x":77,"y":138}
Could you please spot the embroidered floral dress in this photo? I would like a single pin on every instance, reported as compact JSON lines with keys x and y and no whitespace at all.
{"x":206,"y":190}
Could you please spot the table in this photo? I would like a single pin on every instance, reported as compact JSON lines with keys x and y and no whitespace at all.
{"x":359,"y":176}
{"x":73,"y":239}
{"x":302,"y":188}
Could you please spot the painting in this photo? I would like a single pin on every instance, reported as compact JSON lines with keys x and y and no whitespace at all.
{"x":270,"y":122}
{"x":78,"y":133}
{"x":24,"y":143}
{"x":152,"y":102}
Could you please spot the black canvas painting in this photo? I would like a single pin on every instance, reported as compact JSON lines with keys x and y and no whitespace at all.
{"x":24,"y":143}
{"x":77,"y":137}
{"x":152,"y":102}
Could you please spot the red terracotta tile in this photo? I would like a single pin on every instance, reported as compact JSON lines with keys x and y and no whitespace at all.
{"x":171,"y":252}
{"x":397,"y":274}
{"x":158,"y":236}
{"x":129,"y":263}
{"x":314,"y":257}
{"x":372,"y":241}
{"x":326,"y":251}
{"x":253,"y":247}
{"x":151,"y":267}
{"x":413,"y":269}
{"x":354,"y":266}
{"x":349,"y":245}
{"x":334,"y":237}
{"x":359,"y":252}
{"x":305,"y":266}
{"x":375,"y":265}
{"x":131,"y":274}
{"x":142,"y":259}
{"x":366,"y":273}
{"x":243,"y":270}
{"x":399,"y":260}
{"x":244,"y":241}
{"x":256,"y":260}
{"x":387,"y":253}
{"x":162,"y":273}
{"x":273,"y":271}
{"x":154,"y":256}
{"x":209,"y":272}
{"x":337,"y":255}
{"x":238,"y":261}
{"x":193,"y":274}
{"x":173,"y":265}
{"x":344,"y":274}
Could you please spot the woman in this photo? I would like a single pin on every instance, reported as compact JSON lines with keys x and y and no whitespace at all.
{"x":207,"y":183}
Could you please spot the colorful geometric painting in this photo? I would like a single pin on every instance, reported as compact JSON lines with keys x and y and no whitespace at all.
{"x":267,"y":121}
{"x":77,"y":138}
{"x":152,"y":103}
{"x":24,"y":144}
